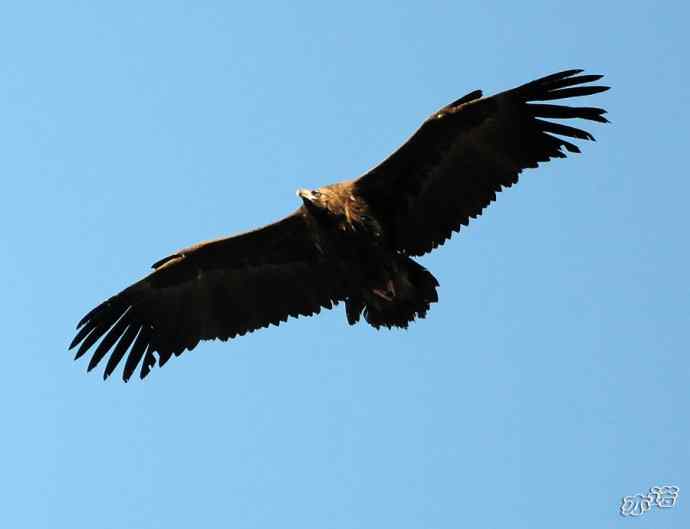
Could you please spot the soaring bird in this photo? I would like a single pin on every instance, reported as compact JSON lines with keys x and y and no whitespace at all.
{"x":350,"y":242}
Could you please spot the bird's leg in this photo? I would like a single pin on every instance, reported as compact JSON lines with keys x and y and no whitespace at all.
{"x":389,"y":293}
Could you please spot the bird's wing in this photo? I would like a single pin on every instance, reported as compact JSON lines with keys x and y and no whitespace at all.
{"x":465,"y":153}
{"x":216,"y":289}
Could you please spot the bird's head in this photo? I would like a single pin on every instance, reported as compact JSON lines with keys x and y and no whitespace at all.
{"x":326,"y":202}
{"x":312,"y":198}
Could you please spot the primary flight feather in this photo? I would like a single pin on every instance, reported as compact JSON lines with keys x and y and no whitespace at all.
{"x":351,"y":241}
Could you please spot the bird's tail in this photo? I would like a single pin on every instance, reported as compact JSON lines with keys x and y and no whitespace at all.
{"x":405,"y":296}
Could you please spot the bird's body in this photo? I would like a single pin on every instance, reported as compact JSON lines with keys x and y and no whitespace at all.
{"x":389,"y":287}
{"x":349,"y":242}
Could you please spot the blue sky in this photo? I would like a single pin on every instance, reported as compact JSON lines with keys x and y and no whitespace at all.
{"x":551,"y":379}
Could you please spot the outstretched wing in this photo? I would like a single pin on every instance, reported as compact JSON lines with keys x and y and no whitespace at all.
{"x":216,"y":289}
{"x":465,"y":153}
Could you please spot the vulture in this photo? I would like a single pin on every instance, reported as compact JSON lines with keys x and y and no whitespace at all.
{"x":351,"y":242}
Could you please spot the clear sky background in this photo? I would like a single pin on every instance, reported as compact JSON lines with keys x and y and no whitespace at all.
{"x":552,"y":378}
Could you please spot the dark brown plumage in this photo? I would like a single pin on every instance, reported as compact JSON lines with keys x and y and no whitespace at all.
{"x":350,"y":241}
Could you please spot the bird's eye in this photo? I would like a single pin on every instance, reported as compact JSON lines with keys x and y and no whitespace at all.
{"x":316,"y":194}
